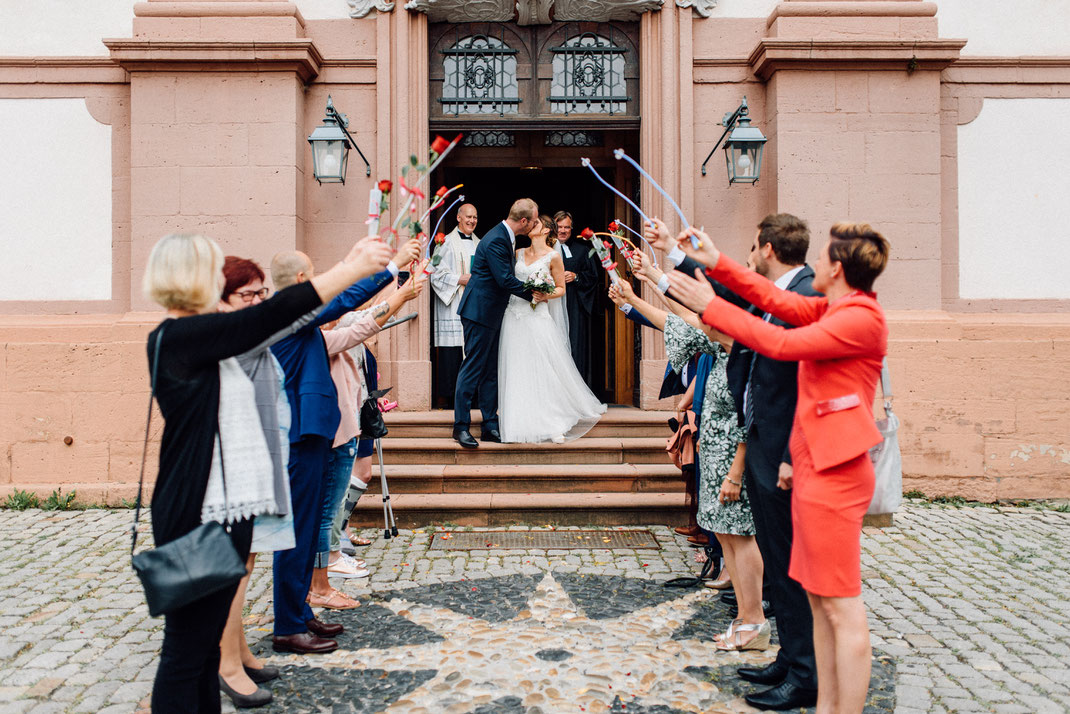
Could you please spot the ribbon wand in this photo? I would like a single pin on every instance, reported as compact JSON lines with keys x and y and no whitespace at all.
{"x":619,"y":154}
{"x":434,"y":233}
{"x":653,"y":255}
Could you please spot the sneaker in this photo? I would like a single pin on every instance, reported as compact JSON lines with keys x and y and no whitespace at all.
{"x":346,"y":567}
{"x":354,"y":562}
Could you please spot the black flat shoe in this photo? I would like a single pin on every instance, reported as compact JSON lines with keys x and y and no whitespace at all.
{"x":264,"y":674}
{"x":782,"y":697}
{"x":491,"y":435}
{"x":770,"y":675}
{"x":258,"y":698}
{"x":465,"y":439}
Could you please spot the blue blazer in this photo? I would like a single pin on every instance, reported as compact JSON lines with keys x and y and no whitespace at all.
{"x":303,"y":356}
{"x":493,"y":280}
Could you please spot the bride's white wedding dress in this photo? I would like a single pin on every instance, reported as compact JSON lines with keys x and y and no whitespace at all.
{"x":541,"y":395}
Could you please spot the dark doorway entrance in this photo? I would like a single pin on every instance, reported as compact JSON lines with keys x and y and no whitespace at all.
{"x":495,"y":177}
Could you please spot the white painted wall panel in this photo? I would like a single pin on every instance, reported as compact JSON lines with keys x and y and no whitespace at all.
{"x":329,"y":9}
{"x":65,"y":28}
{"x":55,"y":200}
{"x":1007,"y":28}
{"x":1014,"y":200}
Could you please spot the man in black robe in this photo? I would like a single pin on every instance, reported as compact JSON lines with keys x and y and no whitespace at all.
{"x":581,"y":283}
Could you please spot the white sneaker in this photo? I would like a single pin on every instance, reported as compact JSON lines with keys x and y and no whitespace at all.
{"x":355,"y":562}
{"x":346,"y":568}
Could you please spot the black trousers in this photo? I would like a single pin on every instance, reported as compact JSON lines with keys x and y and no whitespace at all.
{"x":187,"y":680}
{"x":446,"y":367}
{"x":479,"y":374}
{"x":771,"y":508}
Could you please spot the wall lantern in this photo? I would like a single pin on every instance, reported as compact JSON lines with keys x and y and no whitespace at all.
{"x":330,"y":147}
{"x":742,"y":149}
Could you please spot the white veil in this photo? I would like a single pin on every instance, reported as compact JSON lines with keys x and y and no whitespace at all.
{"x":557,"y":307}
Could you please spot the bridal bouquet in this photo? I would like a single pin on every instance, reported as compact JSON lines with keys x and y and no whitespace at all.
{"x":541,"y":282}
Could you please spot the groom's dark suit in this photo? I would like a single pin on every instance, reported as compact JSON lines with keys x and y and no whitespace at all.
{"x":481,"y":309}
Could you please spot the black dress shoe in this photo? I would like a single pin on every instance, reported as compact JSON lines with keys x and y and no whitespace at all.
{"x":782,"y":697}
{"x":318,"y":627}
{"x":491,"y":435}
{"x":769,"y":675}
{"x":245,"y":701}
{"x":465,"y":439}
{"x":303,"y":643}
{"x":264,"y":674}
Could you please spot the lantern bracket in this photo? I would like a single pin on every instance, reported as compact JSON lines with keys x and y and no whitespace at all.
{"x":729,"y":123}
{"x":343,"y":121}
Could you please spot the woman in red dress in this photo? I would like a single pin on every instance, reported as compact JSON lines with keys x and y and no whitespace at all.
{"x":840,"y":342}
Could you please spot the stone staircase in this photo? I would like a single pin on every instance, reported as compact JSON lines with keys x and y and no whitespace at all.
{"x":618,"y":474}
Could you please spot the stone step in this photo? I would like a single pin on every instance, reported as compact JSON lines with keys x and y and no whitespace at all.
{"x":616,"y":422}
{"x":415,"y":510}
{"x":529,"y":478}
{"x":593,"y":450}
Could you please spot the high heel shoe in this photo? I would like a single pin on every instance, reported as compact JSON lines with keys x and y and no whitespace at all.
{"x":722,"y":583}
{"x":258,"y":698}
{"x":734,"y":643}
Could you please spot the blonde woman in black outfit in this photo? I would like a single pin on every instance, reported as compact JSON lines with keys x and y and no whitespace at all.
{"x":185,"y":275}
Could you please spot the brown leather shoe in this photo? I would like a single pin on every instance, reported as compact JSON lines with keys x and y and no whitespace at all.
{"x":688,"y":530}
{"x":303,"y":643}
{"x":324,"y":629}
{"x":698,"y":540}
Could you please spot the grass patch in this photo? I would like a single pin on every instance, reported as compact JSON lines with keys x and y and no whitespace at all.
{"x":58,"y":501}
{"x":21,"y":500}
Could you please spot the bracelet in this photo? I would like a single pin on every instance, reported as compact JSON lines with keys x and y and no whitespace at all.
{"x":734,"y":483}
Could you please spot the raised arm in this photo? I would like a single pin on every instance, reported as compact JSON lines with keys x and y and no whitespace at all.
{"x":341,"y":339}
{"x":792,"y":308}
{"x":853,"y":331}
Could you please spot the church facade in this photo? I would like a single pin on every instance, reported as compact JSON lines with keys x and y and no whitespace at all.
{"x":941,"y":123}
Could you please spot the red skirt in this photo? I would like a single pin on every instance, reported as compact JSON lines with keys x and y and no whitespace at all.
{"x":827,"y":508}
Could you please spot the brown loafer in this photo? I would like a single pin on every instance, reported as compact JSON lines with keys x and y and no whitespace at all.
{"x":303,"y":643}
{"x":698,"y":540}
{"x":688,"y":530}
{"x":324,"y":629}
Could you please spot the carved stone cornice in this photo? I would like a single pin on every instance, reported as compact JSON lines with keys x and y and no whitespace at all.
{"x":773,"y":54}
{"x":361,"y":8}
{"x":298,"y":56}
{"x":540,"y":12}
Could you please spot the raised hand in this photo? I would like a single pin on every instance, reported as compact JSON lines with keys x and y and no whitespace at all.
{"x":657,"y":235}
{"x":416,"y":286}
{"x":408,"y":252}
{"x":696,"y":293}
{"x":644,"y":268}
{"x":617,"y":295}
{"x":369,"y":256}
{"x":705,"y":252}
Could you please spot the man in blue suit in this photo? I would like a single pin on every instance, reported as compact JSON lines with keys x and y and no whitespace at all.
{"x":481,"y":309}
{"x":314,"y":419}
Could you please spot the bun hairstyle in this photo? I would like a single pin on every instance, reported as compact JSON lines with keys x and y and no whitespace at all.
{"x":551,"y":225}
{"x":862,"y":251}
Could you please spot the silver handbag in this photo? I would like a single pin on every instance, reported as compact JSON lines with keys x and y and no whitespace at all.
{"x":886,"y":457}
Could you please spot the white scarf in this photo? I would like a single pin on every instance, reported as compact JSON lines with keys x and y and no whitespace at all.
{"x":250,"y":489}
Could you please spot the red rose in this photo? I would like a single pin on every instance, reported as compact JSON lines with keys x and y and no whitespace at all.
{"x":440,"y":238}
{"x":613,"y":226}
{"x":385,"y":185}
{"x":441,"y":192}
{"x":587,"y":234}
{"x":439,"y":145}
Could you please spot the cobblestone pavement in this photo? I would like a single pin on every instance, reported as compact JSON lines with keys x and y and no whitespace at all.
{"x":968,"y":609}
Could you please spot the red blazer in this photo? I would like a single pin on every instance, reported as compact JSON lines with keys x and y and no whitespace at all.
{"x":839,"y":346}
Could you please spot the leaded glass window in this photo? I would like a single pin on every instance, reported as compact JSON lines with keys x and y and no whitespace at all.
{"x":588,"y":76}
{"x":489,"y":139}
{"x":480,"y":77}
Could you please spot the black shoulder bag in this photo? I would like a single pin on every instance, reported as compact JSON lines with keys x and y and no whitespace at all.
{"x":372,"y":425}
{"x":199,"y":563}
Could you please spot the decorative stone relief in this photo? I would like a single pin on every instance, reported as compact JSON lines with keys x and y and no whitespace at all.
{"x":464,"y":10}
{"x":701,"y":8}
{"x":538,"y":12}
{"x":360,"y":8}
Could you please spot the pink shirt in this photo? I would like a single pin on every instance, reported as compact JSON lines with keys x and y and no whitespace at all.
{"x":345,"y":373}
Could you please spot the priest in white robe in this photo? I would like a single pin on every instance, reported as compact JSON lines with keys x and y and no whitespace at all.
{"x":447,"y":282}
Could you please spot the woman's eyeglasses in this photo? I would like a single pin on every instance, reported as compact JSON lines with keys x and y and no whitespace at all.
{"x":248,"y":295}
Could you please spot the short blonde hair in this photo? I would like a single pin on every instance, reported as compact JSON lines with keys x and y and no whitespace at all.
{"x":185,"y":272}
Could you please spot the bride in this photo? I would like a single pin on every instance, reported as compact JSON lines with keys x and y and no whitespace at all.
{"x":541,"y":395}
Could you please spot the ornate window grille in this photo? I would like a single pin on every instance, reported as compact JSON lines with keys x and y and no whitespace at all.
{"x":574,"y":138}
{"x":480,"y":77}
{"x":588,"y":76}
{"x":489,"y":139}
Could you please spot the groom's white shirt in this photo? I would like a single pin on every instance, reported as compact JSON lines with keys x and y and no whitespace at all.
{"x":512,"y":236}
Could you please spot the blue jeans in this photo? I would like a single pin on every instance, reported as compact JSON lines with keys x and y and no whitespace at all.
{"x":335,"y":483}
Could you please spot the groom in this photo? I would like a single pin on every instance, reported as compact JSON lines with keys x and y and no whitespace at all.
{"x":481,"y":309}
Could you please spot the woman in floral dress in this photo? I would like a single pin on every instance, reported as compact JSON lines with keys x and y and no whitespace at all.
{"x":723,"y":506}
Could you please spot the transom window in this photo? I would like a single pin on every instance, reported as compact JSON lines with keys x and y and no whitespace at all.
{"x":588,"y":77}
{"x":480,"y":77}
